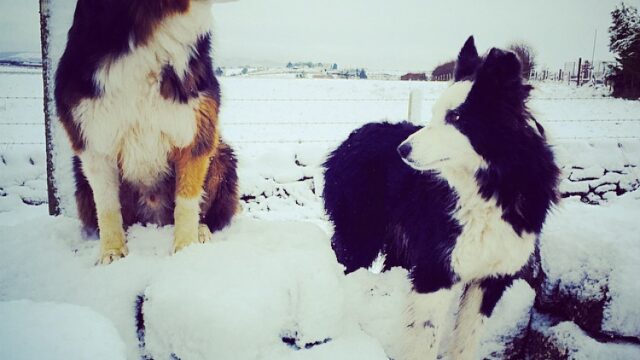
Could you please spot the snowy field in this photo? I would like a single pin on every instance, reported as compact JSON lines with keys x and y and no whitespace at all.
{"x":269,"y":286}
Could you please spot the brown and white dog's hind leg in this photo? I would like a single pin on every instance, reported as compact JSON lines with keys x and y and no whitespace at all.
{"x":104,"y":178}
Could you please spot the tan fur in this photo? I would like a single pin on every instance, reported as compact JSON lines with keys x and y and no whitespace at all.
{"x":191,"y":167}
{"x":190,"y":173}
{"x":112,"y":239}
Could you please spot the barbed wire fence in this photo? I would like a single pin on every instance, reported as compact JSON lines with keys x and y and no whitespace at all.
{"x":415,"y":103}
{"x":306,"y":123}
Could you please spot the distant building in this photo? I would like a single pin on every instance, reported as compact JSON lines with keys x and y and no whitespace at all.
{"x":323,"y":76}
{"x":348,"y":74}
{"x":414,"y":77}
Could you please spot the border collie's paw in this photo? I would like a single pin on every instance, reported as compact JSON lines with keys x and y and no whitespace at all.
{"x":110,"y":255}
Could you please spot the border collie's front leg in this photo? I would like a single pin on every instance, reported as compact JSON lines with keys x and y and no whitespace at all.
{"x":468,"y":326}
{"x":426,"y":317}
{"x":477,"y":304}
{"x":104,"y":178}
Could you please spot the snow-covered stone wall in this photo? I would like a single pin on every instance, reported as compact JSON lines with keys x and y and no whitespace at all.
{"x":597,"y":171}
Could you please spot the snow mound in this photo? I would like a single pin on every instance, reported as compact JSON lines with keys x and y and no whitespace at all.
{"x":566,"y":340}
{"x":591,"y":270}
{"x":507,"y":327}
{"x":31,"y":330}
{"x":380,"y":302}
{"x":22,"y":178}
{"x":267,"y":290}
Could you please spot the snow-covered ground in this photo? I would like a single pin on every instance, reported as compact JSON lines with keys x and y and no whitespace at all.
{"x":269,"y":286}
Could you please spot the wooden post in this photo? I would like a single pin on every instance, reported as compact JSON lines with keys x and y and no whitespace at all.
{"x":47,"y":72}
{"x":579,"y":71}
{"x":415,"y":106}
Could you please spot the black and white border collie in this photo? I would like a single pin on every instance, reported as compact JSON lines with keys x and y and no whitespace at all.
{"x":459,"y":202}
{"x":136,"y":93}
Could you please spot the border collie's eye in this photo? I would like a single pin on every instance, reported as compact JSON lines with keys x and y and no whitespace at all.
{"x":452,"y":116}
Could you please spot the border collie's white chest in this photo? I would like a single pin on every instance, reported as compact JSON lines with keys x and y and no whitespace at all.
{"x":131,"y":122}
{"x":488,"y":245}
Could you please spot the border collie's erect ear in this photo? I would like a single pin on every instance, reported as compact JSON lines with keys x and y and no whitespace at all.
{"x":468,"y":60}
{"x":503,"y":65}
{"x":500,"y":73}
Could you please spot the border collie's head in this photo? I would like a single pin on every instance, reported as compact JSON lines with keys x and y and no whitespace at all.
{"x":485,"y":105}
{"x":481,"y":128}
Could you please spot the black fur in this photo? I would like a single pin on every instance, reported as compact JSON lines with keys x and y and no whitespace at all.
{"x":468,"y":60}
{"x":493,"y":288}
{"x":201,"y":65}
{"x":84,"y":200}
{"x":199,"y":79}
{"x":100,"y":29}
{"x":522,"y":174}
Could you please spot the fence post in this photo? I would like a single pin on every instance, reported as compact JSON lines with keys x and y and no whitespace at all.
{"x":579,"y":71}
{"x":54,"y":206}
{"x":415,"y":106}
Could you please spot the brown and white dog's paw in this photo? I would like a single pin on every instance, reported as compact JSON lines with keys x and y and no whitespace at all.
{"x":204,"y":234}
{"x":107,"y":256}
{"x":113,"y":244}
{"x":183,"y":240}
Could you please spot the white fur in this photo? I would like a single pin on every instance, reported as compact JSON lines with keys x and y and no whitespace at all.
{"x":103,"y":177}
{"x":426,"y":318}
{"x":440,"y":145}
{"x":488,"y":245}
{"x":187,"y":219}
{"x":132,"y":122}
{"x":468,"y":327}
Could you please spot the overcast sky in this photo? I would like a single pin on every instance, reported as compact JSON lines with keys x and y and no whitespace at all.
{"x":379,"y":34}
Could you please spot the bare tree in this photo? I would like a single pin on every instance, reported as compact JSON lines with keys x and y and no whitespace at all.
{"x":527,"y":57}
{"x":444,"y":70}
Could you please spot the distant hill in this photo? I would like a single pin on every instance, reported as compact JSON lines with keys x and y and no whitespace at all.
{"x":27,"y":59}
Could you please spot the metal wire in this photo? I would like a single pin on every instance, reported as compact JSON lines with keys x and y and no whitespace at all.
{"x":329,"y":141}
{"x":21,"y":143}
{"x":337,"y":99}
{"x":323,"y":123}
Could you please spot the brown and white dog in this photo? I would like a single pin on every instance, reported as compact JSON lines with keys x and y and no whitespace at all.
{"x":136,"y":93}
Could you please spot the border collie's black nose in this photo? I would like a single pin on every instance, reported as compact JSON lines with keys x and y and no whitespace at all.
{"x":404,"y":150}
